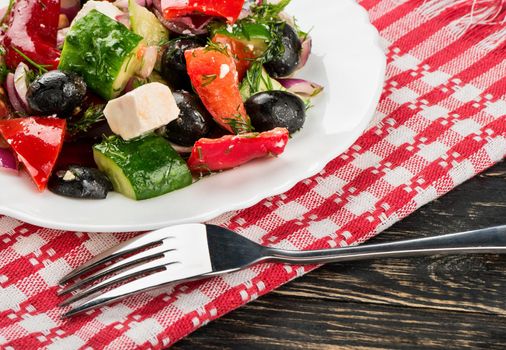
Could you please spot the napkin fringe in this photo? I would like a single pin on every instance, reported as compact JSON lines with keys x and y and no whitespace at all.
{"x":472,"y":14}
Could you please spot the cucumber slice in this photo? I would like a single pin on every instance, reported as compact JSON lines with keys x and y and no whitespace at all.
{"x":255,"y":34}
{"x":145,"y":23}
{"x":142,"y":168}
{"x":103,"y":52}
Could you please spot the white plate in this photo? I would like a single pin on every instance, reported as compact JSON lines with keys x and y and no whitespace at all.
{"x":346,"y":59}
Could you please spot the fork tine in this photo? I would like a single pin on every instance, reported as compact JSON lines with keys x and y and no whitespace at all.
{"x":158,"y":279}
{"x":147,"y":255}
{"x":142,"y":269}
{"x":124,"y":248}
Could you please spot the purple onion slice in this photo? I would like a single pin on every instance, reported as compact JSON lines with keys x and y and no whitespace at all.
{"x":60,"y":36}
{"x":187,"y":25}
{"x":7,"y":159}
{"x":301,"y":87}
{"x":17,"y":105}
{"x":21,"y":83}
{"x":148,"y":61}
{"x":305,"y":52}
{"x":123,"y":19}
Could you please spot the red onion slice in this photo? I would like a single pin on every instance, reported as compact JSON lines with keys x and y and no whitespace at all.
{"x":21,"y":83}
{"x":3,"y":12}
{"x":157,"y":5}
{"x":301,"y":87}
{"x":305,"y":52}
{"x":148,"y":61}
{"x":129,"y":85}
{"x":17,"y":105}
{"x":124,"y":19}
{"x":187,"y":25}
{"x":60,"y":36}
{"x":123,"y":4}
{"x":7,"y":159}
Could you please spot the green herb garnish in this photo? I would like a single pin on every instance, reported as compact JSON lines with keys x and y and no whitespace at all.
{"x":212,"y":46}
{"x":253,"y":77}
{"x":8,"y":11}
{"x":267,"y":12}
{"x":3,"y":68}
{"x":93,"y":115}
{"x":42,"y":68}
{"x":238,"y":124}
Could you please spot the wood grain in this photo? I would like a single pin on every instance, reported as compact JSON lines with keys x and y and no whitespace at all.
{"x":440,"y":302}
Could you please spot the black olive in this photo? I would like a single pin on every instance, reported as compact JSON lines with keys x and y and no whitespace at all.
{"x":287,"y":57}
{"x":174,"y":62}
{"x":80,"y":182}
{"x":56,"y":92}
{"x":272,"y":109}
{"x":193,"y":122}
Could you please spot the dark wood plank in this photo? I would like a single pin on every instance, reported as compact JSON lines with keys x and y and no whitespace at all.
{"x":313,"y":324}
{"x":436,"y":302}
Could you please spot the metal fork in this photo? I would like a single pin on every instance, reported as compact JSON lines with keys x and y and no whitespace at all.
{"x":198,"y":251}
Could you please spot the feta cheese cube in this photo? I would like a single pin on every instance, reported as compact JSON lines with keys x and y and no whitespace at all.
{"x":103,"y":7}
{"x":142,"y":110}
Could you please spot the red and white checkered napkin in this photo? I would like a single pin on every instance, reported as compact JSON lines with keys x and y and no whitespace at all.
{"x":440,"y":121}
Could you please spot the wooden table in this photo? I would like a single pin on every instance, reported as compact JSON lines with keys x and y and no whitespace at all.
{"x":440,"y":302}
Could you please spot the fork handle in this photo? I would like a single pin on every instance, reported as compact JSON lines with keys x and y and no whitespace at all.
{"x":488,"y":240}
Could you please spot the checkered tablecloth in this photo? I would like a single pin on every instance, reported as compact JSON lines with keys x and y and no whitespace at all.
{"x":441,"y":120}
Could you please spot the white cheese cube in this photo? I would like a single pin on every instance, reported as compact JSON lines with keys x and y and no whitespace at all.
{"x":142,"y":110}
{"x":103,"y":7}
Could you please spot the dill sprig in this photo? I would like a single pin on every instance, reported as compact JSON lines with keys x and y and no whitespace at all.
{"x":8,"y":11}
{"x":267,"y":12}
{"x":238,"y":124}
{"x":3,"y":67}
{"x":42,"y":68}
{"x":253,"y":77}
{"x":212,"y":46}
{"x":3,"y":73}
{"x":92,"y":115}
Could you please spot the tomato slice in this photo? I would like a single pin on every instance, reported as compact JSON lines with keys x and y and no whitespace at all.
{"x":242,"y":54}
{"x":231,"y":151}
{"x":228,"y":9}
{"x":36,"y":142}
{"x":32,"y":30}
{"x":214,"y":77}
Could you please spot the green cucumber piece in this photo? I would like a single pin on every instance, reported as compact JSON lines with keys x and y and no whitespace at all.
{"x":142,"y":168}
{"x":255,"y":34}
{"x":103,"y":52}
{"x":145,"y":23}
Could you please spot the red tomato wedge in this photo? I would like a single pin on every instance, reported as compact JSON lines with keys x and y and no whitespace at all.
{"x":228,"y":9}
{"x":32,"y":30}
{"x":36,"y":142}
{"x":242,"y":54}
{"x":231,"y":151}
{"x":214,"y":77}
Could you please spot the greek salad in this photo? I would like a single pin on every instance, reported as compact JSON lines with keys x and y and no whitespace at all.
{"x":144,"y":97}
